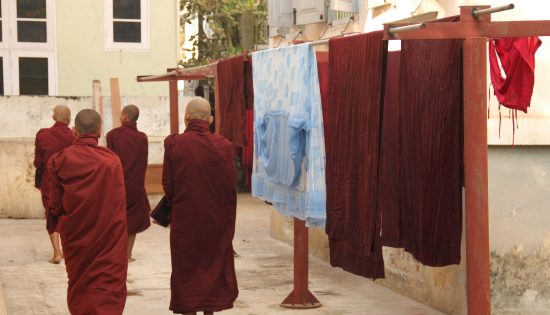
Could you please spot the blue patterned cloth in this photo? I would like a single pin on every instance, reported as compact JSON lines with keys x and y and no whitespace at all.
{"x":289,"y":144}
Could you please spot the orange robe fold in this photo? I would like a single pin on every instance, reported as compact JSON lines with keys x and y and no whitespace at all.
{"x":47,"y":142}
{"x":87,"y":191}
{"x":131,"y":146}
{"x":199,"y":180}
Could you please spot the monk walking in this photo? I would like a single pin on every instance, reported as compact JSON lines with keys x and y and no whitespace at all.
{"x":199,"y":181}
{"x":87,"y":191}
{"x":47,"y":142}
{"x":131,"y":146}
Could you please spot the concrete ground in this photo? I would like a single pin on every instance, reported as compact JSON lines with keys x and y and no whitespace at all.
{"x":31,"y":285}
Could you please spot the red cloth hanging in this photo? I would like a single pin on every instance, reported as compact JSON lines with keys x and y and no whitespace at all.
{"x":352,"y":146}
{"x":517,"y":57}
{"x":389,"y":198}
{"x":247,"y":153}
{"x":231,"y":99}
{"x":248,"y":150}
{"x":324,"y":82}
{"x":431,"y":150}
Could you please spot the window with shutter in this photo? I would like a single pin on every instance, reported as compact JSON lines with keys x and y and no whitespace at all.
{"x":310,"y":11}
{"x":279,"y":17}
{"x":344,"y":5}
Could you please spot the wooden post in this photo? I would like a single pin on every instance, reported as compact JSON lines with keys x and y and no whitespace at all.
{"x":301,"y":297}
{"x":476,"y":169}
{"x":174,"y":110}
{"x":98,"y":106}
{"x":115,"y":102}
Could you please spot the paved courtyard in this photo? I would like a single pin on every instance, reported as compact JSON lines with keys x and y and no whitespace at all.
{"x":31,"y":285}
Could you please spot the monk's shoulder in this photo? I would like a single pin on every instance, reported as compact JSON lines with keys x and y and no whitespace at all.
{"x":44,"y":132}
{"x":113,"y":133}
{"x":62,"y":154}
{"x":222,"y":140}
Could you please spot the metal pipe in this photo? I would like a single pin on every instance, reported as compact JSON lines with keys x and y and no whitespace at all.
{"x":478,"y":12}
{"x":301,"y":297}
{"x":183,"y":70}
{"x":153,"y":77}
{"x":319,"y":42}
{"x":478,"y":285}
{"x":394,"y":30}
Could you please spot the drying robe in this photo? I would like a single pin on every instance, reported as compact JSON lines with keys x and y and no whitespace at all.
{"x":131,"y":146}
{"x":47,"y":142}
{"x":199,"y":180}
{"x":87,"y":190}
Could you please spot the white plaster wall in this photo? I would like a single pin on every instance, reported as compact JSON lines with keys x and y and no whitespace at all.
{"x":25,"y":115}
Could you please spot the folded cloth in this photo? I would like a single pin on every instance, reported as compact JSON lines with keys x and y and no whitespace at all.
{"x":162,"y":213}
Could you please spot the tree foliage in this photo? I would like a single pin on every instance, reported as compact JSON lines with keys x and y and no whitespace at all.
{"x":226,"y":27}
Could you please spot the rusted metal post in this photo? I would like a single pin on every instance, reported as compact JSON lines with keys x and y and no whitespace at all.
{"x":174,"y":112}
{"x":475,"y":169}
{"x":301,"y":297}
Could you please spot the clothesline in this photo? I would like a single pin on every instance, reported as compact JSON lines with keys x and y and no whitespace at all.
{"x":393,"y":30}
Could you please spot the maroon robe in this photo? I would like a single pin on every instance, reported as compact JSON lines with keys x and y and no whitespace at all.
{"x":199,"y":180}
{"x":87,"y":190}
{"x":430,"y":100}
{"x":353,"y":145}
{"x":389,"y":196}
{"x":131,"y":146}
{"x":231,"y":99}
{"x":49,"y":141}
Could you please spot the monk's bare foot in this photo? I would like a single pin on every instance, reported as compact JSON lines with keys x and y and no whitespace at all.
{"x":56,"y":259}
{"x":131,"y":259}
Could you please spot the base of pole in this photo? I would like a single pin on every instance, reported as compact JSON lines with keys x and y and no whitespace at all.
{"x":304,"y":300}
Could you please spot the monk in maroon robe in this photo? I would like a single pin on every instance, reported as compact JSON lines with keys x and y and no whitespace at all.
{"x":199,"y":180}
{"x":47,"y":142}
{"x":131,"y":146}
{"x":87,"y":191}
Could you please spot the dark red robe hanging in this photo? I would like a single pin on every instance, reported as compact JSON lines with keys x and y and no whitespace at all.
{"x":247,"y":153}
{"x":131,"y":146}
{"x":389,"y":198}
{"x":431,"y":149}
{"x":87,"y":190}
{"x":517,"y":56}
{"x":47,"y":142}
{"x":352,"y":146}
{"x":231,"y":99}
{"x":199,"y":180}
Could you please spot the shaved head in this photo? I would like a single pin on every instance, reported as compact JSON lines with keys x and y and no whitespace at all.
{"x":198,"y":108}
{"x":87,"y":121}
{"x":131,"y":112}
{"x":62,"y":113}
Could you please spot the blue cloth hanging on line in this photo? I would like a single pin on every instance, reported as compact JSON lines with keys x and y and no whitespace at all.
{"x":289,"y":145}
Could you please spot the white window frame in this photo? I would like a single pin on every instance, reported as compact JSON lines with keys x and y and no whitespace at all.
{"x":110,"y":44}
{"x":50,"y":27}
{"x":5,"y":28}
{"x":5,"y":55}
{"x":52,"y":69}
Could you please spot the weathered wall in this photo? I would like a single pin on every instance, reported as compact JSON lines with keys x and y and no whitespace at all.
{"x":519,"y":188}
{"x":25,"y":115}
